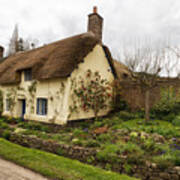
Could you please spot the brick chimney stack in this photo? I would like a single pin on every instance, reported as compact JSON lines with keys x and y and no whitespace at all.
{"x":1,"y":52}
{"x":95,"y":23}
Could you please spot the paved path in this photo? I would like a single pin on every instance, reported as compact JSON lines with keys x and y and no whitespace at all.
{"x":11,"y":171}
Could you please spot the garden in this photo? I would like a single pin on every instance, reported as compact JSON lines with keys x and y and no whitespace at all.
{"x":121,"y":141}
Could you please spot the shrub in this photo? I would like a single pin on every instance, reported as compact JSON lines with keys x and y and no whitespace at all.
{"x":91,"y":159}
{"x":170,"y":117}
{"x":4,"y":125}
{"x":77,"y":142}
{"x":126,"y":115}
{"x":104,"y":138}
{"x":77,"y":132}
{"x":98,"y":124}
{"x":6,"y":134}
{"x":176,"y":121}
{"x":148,"y":145}
{"x":109,"y":153}
{"x":108,"y":167}
{"x":164,"y":161}
{"x":127,"y":168}
{"x":60,"y":152}
{"x":92,"y":143}
{"x":177,"y":158}
{"x":33,"y":126}
{"x":130,"y":148}
{"x":169,"y":103}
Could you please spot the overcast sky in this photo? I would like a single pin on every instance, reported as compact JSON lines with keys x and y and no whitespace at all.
{"x":51,"y":20}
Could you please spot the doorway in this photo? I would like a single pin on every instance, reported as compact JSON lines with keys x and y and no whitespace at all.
{"x":23,"y":107}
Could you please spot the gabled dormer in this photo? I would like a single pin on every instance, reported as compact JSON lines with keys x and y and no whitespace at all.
{"x":26,"y":75}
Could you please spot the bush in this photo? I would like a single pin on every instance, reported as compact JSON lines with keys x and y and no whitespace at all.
{"x":78,"y":132}
{"x":176,"y":121}
{"x":149,"y":145}
{"x":126,"y":115}
{"x":169,"y":103}
{"x":92,"y":143}
{"x":127,"y":168}
{"x":98,"y":124}
{"x":170,"y":117}
{"x":109,"y":153}
{"x":130,"y":148}
{"x":77,"y":142}
{"x":104,"y":138}
{"x":3,"y":125}
{"x":6,"y":134}
{"x":33,"y":126}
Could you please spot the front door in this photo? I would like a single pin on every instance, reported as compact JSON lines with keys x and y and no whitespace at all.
{"x":23,"y":107}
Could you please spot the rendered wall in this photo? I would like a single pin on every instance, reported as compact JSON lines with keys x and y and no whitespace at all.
{"x":95,"y":61}
{"x":53,"y":90}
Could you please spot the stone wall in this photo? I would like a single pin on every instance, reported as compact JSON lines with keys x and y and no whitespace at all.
{"x":133,"y":94}
{"x":74,"y":152}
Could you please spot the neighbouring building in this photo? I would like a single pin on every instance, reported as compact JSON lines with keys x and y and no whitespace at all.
{"x":37,"y":84}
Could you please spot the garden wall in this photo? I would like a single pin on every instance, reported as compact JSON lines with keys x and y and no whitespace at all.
{"x":134,"y":96}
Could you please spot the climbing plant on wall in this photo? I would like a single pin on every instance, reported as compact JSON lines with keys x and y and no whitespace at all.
{"x":91,"y":92}
{"x":11,"y":96}
{"x":1,"y":102}
{"x":32,"y":91}
{"x":56,"y":99}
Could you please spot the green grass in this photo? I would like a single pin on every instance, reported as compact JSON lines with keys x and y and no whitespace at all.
{"x":54,"y":166}
{"x":157,"y":126}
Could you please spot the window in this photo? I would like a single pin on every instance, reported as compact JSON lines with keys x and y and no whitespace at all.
{"x":42,"y":106}
{"x":27,"y":75}
{"x":7,"y":104}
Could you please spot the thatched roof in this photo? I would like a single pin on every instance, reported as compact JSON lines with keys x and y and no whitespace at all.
{"x":121,"y":70}
{"x":58,"y":59}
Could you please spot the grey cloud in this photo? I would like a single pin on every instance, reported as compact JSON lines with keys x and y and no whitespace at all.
{"x":53,"y":20}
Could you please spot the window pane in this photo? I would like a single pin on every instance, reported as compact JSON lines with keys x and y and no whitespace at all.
{"x":41,"y":106}
{"x":28,"y":75}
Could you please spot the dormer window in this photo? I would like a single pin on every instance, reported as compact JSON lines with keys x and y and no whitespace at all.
{"x":27,"y":75}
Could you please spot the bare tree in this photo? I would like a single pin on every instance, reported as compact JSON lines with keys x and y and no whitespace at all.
{"x":145,"y":65}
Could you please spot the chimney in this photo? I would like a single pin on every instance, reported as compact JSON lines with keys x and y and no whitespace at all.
{"x":1,"y":52}
{"x":95,"y":23}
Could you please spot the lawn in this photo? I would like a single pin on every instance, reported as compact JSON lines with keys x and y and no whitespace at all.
{"x":54,"y":166}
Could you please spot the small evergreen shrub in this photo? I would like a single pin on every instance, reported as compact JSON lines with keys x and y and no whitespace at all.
{"x":77,"y":142}
{"x":176,"y":121}
{"x":6,"y":134}
{"x":109,"y":153}
{"x":92,"y":143}
{"x":126,"y":115}
{"x":169,"y":103}
{"x":104,"y":138}
{"x":77,"y":132}
{"x":4,"y":125}
{"x":170,"y":117}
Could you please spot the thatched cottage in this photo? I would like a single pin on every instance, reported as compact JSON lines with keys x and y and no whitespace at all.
{"x":39,"y":81}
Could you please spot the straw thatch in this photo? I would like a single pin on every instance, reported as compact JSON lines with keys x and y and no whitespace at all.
{"x":58,"y":59}
{"x":121,"y":70}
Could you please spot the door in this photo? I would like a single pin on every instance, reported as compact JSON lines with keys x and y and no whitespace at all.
{"x":23,"y":107}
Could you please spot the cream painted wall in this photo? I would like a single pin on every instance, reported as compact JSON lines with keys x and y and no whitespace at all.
{"x":95,"y":61}
{"x":53,"y":90}
{"x":57,"y":92}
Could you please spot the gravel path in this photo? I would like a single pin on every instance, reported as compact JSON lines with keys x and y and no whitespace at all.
{"x":11,"y":171}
